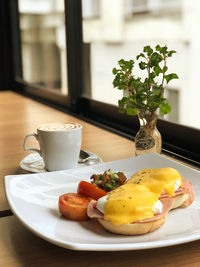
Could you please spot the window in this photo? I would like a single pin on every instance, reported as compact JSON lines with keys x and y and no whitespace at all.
{"x":72,"y":66}
{"x":123,"y":28}
{"x":43,"y":44}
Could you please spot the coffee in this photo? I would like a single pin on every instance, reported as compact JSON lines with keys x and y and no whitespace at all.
{"x":59,"y":126}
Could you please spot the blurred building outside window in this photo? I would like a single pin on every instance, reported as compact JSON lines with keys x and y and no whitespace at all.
{"x":113,"y":30}
{"x":42,"y":25}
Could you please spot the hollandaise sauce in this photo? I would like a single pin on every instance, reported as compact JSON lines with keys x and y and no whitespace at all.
{"x":159,"y":181}
{"x":130,"y":203}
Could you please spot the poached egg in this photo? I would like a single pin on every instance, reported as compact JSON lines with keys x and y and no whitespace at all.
{"x":129,"y":203}
{"x":160,"y":181}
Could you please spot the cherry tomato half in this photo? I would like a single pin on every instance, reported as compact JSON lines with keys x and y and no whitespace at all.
{"x":73,"y":206}
{"x":90,"y":190}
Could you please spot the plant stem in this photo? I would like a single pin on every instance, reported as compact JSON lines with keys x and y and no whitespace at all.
{"x":164,"y":69}
{"x":149,"y":83}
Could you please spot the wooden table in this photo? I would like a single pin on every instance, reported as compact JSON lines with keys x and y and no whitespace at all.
{"x":18,"y":246}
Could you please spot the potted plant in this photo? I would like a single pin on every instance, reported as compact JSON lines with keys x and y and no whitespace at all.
{"x":145,"y":96}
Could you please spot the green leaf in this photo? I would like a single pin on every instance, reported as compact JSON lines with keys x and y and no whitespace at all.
{"x":131,"y":111}
{"x":126,"y":65}
{"x":122,"y":102}
{"x":158,"y":48}
{"x":157,"y":70}
{"x":121,"y":62}
{"x":155,"y":59}
{"x":114,"y":71}
{"x":165,"y":108}
{"x":147,"y":49}
{"x":142,"y":65}
{"x":116,"y":81}
{"x":152,"y":75}
{"x":170,"y":76}
{"x":170,"y":53}
{"x":163,"y":50}
{"x":140,"y":55}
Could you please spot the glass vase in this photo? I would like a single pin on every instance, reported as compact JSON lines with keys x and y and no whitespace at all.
{"x":148,"y":138}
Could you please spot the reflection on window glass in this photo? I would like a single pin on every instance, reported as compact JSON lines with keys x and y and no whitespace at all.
{"x":118,"y":29}
{"x":42,"y":25}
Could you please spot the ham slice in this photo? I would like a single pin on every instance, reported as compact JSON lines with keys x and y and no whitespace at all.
{"x":190,"y":191}
{"x":167,"y":204}
{"x":92,"y":212}
{"x":186,"y":189}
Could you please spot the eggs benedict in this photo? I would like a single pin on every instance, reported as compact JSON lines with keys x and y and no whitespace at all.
{"x":167,"y":182}
{"x":141,"y":204}
{"x":130,"y":209}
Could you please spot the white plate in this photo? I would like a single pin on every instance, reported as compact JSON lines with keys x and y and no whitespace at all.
{"x":34,"y":163}
{"x":33,"y":199}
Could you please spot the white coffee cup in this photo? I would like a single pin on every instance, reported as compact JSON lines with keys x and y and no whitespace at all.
{"x":60,"y":144}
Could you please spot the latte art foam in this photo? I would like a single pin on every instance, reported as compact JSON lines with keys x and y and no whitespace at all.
{"x":59,"y":126}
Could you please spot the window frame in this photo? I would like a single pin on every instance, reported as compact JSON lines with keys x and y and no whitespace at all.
{"x":178,"y":141}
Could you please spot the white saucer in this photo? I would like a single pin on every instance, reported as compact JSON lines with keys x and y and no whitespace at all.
{"x":34,"y":163}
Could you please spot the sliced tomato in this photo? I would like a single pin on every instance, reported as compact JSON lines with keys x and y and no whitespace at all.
{"x":90,"y":190}
{"x":73,"y":206}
